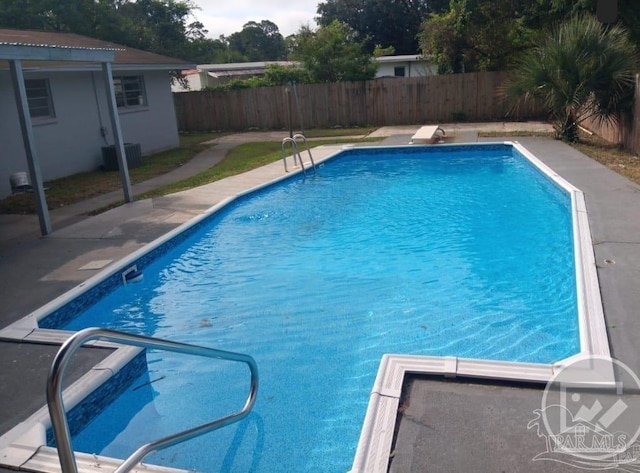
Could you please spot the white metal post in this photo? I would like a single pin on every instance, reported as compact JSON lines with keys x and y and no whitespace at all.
{"x":17,"y":77}
{"x":107,"y":77}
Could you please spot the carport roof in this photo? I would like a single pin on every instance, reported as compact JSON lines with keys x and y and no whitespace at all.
{"x":37,"y":50}
{"x":125,"y":57}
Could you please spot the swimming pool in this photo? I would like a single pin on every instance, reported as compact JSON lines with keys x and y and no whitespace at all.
{"x":446,"y":246}
{"x":382,"y":290}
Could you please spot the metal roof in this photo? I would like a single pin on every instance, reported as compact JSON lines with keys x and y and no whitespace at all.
{"x":244,"y":66}
{"x":73,"y":43}
{"x":5,"y":43}
{"x":402,"y":58}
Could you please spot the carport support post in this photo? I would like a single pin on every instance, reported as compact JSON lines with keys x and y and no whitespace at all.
{"x":107,"y":76}
{"x":17,"y":77}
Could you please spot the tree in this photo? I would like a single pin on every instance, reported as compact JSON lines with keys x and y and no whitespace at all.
{"x":208,"y":51}
{"x":258,"y":42}
{"x":538,"y":14}
{"x":78,"y":16}
{"x":475,"y":35}
{"x":283,"y":75}
{"x":583,"y":69}
{"x":332,"y":54}
{"x":274,"y":75}
{"x":160,"y":26}
{"x":381,"y":22}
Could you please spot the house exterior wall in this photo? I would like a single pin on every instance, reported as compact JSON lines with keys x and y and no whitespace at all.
{"x":72,"y":141}
{"x":154,"y":126}
{"x":12,"y":157}
{"x":412,"y":69}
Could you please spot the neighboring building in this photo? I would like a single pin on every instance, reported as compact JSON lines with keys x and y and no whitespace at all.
{"x":192,"y":81}
{"x":68,"y":106}
{"x":413,"y":65}
{"x":210,"y":75}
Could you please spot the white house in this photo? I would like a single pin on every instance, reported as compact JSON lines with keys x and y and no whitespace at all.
{"x":412,"y":65}
{"x":68,"y":108}
{"x":210,"y":75}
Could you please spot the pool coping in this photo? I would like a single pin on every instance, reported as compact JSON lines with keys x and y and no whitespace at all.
{"x":376,"y":438}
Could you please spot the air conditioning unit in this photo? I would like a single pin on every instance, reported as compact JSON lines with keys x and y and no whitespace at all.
{"x":132,"y":151}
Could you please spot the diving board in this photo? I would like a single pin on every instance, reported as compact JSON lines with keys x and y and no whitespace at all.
{"x":428,"y":133}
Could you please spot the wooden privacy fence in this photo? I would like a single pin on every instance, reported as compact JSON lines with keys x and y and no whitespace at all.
{"x":627,"y":134}
{"x":391,"y":101}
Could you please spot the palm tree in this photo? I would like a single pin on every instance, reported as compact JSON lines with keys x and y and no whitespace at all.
{"x":581,"y":69}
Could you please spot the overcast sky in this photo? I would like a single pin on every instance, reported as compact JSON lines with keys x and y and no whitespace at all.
{"x":223,"y":17}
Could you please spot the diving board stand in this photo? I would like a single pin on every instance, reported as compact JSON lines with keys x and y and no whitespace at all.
{"x":428,"y":134}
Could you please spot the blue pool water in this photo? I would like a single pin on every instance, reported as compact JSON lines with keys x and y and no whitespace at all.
{"x":439,"y":251}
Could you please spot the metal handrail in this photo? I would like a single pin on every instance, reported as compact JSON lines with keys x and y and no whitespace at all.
{"x":59,"y":417}
{"x":296,"y":153}
{"x":300,"y":136}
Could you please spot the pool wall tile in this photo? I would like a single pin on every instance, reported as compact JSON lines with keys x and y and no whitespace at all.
{"x":60,"y":317}
{"x":416,"y":149}
{"x":91,"y":406}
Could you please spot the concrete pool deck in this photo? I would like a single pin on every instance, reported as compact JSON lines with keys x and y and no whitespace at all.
{"x":34,"y":270}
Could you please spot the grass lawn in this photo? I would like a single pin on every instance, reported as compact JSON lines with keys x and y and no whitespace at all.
{"x":245,"y":157}
{"x":613,"y":156}
{"x":82,"y":186}
{"x":610,"y":155}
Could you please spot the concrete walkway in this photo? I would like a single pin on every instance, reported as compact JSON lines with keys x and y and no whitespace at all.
{"x":34,"y":270}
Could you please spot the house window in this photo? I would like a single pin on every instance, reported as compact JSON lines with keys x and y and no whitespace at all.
{"x":129,"y":91}
{"x":398,"y":71}
{"x":39,"y":98}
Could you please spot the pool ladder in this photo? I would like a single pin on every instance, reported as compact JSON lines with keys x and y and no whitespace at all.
{"x":59,"y":416}
{"x":296,"y":153}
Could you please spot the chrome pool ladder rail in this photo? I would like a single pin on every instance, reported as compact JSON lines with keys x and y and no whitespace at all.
{"x":296,"y":153}
{"x":300,"y":136}
{"x":69,"y":348}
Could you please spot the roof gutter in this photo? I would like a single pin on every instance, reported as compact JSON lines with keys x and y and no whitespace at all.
{"x":98,"y":67}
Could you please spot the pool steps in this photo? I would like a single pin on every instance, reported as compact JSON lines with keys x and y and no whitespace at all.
{"x":376,"y":438}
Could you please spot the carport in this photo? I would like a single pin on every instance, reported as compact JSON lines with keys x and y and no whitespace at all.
{"x":17,"y":52}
